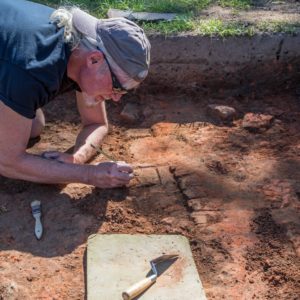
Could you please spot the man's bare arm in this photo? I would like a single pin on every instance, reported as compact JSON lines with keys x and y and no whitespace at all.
{"x":15,"y":162}
{"x":94,"y":128}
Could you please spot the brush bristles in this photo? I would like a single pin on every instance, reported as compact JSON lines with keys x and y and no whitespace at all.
{"x":36,"y":207}
{"x":35,"y":203}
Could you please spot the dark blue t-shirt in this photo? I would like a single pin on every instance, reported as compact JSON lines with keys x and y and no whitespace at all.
{"x":33,"y":56}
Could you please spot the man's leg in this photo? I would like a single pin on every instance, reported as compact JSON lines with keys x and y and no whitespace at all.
{"x":38,"y":123}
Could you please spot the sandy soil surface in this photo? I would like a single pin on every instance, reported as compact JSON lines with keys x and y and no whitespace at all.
{"x":233,"y":190}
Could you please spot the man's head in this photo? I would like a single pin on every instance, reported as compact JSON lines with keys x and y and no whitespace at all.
{"x":113,"y":55}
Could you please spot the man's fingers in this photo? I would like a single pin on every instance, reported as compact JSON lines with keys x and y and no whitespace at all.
{"x":121,"y":176}
{"x":124,"y":167}
{"x":114,"y":174}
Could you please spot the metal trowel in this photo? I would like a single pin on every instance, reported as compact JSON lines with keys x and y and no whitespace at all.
{"x":139,"y":287}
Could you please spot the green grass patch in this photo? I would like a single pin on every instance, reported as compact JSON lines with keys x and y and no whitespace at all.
{"x":216,"y":27}
{"x":186,"y":21}
{"x":277,"y":26}
{"x":238,"y":4}
{"x":192,"y":7}
{"x":211,"y":27}
{"x":167,"y":6}
{"x":183,"y":24}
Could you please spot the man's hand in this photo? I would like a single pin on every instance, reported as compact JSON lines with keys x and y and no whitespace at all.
{"x":59,"y":156}
{"x":111,"y":174}
{"x":104,"y":175}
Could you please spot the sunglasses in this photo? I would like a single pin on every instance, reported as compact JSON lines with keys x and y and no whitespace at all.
{"x":116,"y":85}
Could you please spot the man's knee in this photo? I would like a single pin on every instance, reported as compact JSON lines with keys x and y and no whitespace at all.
{"x":38,"y":124}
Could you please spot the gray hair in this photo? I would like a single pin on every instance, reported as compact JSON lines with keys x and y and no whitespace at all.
{"x":62,"y":17}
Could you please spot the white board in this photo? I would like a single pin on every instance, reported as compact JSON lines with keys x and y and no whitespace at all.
{"x":116,"y":261}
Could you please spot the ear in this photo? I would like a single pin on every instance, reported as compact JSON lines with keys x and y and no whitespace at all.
{"x":94,"y":59}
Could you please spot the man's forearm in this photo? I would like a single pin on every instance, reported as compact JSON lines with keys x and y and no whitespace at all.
{"x":37,"y":169}
{"x":92,"y":134}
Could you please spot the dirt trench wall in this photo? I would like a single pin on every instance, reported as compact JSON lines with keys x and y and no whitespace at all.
{"x":241,"y":65}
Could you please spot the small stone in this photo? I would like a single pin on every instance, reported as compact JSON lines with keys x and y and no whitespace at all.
{"x":130,"y":113}
{"x":168,"y":221}
{"x":222,"y":112}
{"x":137,"y":133}
{"x":257,"y":122}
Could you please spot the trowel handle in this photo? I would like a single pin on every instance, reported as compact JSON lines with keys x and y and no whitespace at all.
{"x":138,"y":288}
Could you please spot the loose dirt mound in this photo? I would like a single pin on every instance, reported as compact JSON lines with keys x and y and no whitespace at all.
{"x":228,"y":183}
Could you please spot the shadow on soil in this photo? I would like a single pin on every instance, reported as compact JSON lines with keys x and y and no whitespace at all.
{"x":67,"y":222}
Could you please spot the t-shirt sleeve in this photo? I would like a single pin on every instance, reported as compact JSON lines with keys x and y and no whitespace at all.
{"x":20,"y":91}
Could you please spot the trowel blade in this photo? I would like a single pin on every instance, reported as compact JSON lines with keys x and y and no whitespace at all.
{"x":164,"y":258}
{"x":160,"y":264}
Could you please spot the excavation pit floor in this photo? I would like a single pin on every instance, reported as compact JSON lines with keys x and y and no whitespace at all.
{"x":232,"y":190}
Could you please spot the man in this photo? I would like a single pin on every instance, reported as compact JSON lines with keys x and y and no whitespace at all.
{"x":44,"y":53}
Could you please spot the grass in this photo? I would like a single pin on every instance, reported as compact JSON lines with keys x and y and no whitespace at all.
{"x":238,"y":4}
{"x":167,"y":6}
{"x":215,"y":27}
{"x":188,"y":16}
{"x":277,"y":26}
